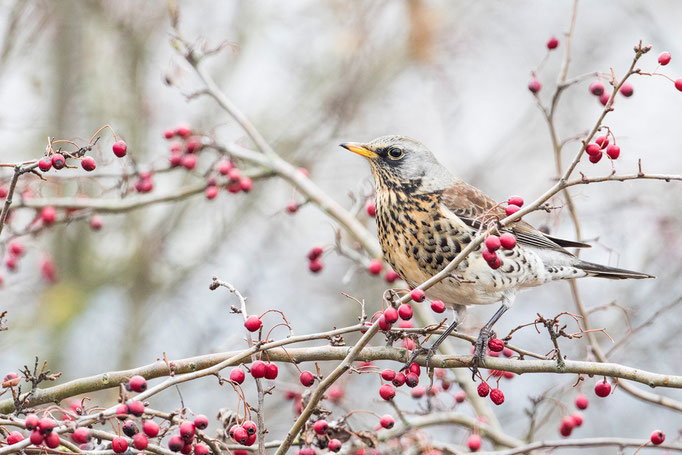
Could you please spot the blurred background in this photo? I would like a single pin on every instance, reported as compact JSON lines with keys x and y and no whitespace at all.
{"x":312,"y":74}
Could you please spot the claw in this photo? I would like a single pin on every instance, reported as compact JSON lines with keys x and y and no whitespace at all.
{"x":416,"y":353}
{"x":479,"y":351}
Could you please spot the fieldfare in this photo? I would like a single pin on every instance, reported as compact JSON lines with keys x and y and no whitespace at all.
{"x":425,"y":216}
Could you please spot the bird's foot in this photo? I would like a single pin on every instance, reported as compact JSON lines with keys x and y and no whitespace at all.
{"x":479,"y":350}
{"x":416,"y":353}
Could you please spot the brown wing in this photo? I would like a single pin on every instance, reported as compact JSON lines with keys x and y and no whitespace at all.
{"x":472,"y":205}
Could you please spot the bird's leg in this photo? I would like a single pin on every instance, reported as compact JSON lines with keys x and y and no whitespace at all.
{"x":431,"y":350}
{"x":484,"y":335}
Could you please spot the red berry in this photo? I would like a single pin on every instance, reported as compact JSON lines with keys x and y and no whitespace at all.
{"x":577,"y":419}
{"x":305,"y":172}
{"x":387,"y":421}
{"x":121,"y":411}
{"x":604,"y":98}
{"x":415,"y":368}
{"x":175,"y":148}
{"x":80,"y":435}
{"x":399,"y":379}
{"x":483,"y":390}
{"x":120,"y":445}
{"x":292,"y":207}
{"x":271,"y":371}
{"x":45,"y":164}
{"x":31,"y":422}
{"x":565,"y":430}
{"x":391,"y":276}
{"x":593,"y":149}
{"x":138,"y":384}
{"x":408,"y":343}
{"x":384,"y":325}
{"x":412,"y":380}
{"x":657,"y":437}
{"x":225,"y":167}
{"x":175,"y":443}
{"x":335,"y":393}
{"x":460,"y":396}
{"x":184,"y":131}
{"x":136,"y":407}
{"x":150,"y":428}
{"x":193,"y":145}
{"x":211,"y":192}
{"x":258,"y":369}
{"x":474,"y":442}
{"x":552,"y":43}
{"x":492,"y":242}
{"x":3,"y":191}
{"x":375,"y":266}
{"x":58,"y":161}
{"x":88,"y":163}
{"x":315,"y":266}
{"x":508,"y":241}
{"x":253,"y":323}
{"x":664,"y":58}
{"x":405,"y":311}
{"x":534,"y":85}
{"x":189,"y":162}
{"x":371,"y":209}
{"x":515,"y":200}
{"x":418,"y":392}
{"x":602,"y":141}
{"x":202,"y":449}
{"x":315,"y":253}
{"x":96,"y":222}
{"x":602,"y":388}
{"x":388,"y":375}
{"x":613,"y":151}
{"x":497,"y":396}
{"x":234,"y":187}
{"x":52,"y":440}
{"x":495,"y":264}
{"x":168,"y":134}
{"x":496,"y":345}
{"x":390,"y":315}
{"x":511,"y":209}
{"x":237,"y":375}
{"x":596,"y":158}
{"x":129,"y":428}
{"x":46,"y":425}
{"x":186,"y":448}
{"x":488,"y":256}
{"x":597,"y":88}
{"x":334,"y":445}
{"x":437,"y":306}
{"x":627,"y":90}
{"x":187,"y":430}
{"x":120,"y":149}
{"x":246,"y":184}
{"x":678,"y":84}
{"x":307,"y":378}
{"x":418,"y":295}
{"x":581,"y":401}
{"x":36,"y":438}
{"x":321,"y":426}
{"x":387,"y":392}
{"x":140,"y":441}
{"x":406,"y":325}
{"x":201,"y":421}
{"x":507,"y":352}
{"x":16,"y":248}
{"x":15,"y":437}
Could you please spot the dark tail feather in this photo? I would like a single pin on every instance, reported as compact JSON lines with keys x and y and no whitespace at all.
{"x":612,"y":273}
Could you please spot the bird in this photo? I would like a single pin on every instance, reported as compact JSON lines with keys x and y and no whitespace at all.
{"x":425,"y":216}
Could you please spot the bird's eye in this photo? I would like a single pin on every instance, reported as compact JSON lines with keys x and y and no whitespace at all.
{"x":395,"y":153}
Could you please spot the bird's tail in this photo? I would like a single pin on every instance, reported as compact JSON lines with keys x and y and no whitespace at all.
{"x":612,"y":273}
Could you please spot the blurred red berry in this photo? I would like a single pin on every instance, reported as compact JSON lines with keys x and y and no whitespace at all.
{"x":581,"y":401}
{"x":552,"y":43}
{"x":678,"y":84}
{"x":225,"y":167}
{"x":168,"y":134}
{"x":597,"y":88}
{"x":657,"y":437}
{"x":202,"y":449}
{"x":119,"y":444}
{"x":189,"y":162}
{"x":292,"y":207}
{"x":437,"y":306}
{"x":334,"y":445}
{"x":387,"y":421}
{"x":14,"y":436}
{"x":604,"y":98}
{"x":371,"y":209}
{"x":460,"y":396}
{"x":391,"y":276}
{"x":175,"y":443}
{"x":511,"y":209}
{"x":602,"y":141}
{"x":596,"y":158}
{"x":417,"y":295}
{"x":150,"y":428}
{"x":321,"y":426}
{"x":492,"y":242}
{"x":52,"y":440}
{"x":375,"y":266}
{"x":627,"y":90}
{"x":387,"y":392}
{"x":184,"y":131}
{"x":140,"y":441}
{"x":508,"y":241}
{"x":315,"y":265}
{"x":577,"y":419}
{"x":534,"y":85}
{"x":474,"y":442}
{"x":211,"y":192}
{"x":138,"y":384}
{"x":593,"y":149}
{"x":246,"y":184}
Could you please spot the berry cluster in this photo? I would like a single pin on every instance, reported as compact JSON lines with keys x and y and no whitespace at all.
{"x":594,"y":149}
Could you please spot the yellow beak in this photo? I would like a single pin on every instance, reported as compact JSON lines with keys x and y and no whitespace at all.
{"x":359,"y":149}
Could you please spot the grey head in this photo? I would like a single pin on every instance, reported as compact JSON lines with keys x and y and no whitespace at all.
{"x":401,"y":162}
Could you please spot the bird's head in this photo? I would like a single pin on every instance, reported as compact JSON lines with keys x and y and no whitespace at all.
{"x":398,"y":161}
